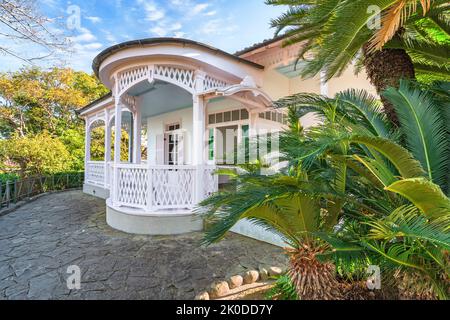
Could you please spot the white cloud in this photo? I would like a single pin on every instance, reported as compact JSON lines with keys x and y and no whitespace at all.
{"x":159,"y":31}
{"x":94,"y":19}
{"x":218,"y":27}
{"x":179,"y":34}
{"x":162,"y":29}
{"x":199,"y":8}
{"x":152,"y":12}
{"x":211,"y":13}
{"x":109,"y":36}
{"x":176,"y":26}
{"x":93,"y":46}
{"x":86,"y":36}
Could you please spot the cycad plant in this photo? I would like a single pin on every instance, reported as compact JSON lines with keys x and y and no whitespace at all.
{"x":356,"y":191}
{"x":287,"y":205}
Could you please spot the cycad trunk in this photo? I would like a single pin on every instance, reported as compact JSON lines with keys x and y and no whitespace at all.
{"x":385,"y":68}
{"x":313,"y":279}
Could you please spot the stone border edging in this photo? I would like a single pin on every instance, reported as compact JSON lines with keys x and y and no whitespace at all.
{"x":222,"y":289}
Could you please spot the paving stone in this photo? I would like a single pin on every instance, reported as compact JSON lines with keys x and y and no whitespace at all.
{"x":39,"y":240}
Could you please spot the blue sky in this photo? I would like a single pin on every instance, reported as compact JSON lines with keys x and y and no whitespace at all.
{"x":226,"y":24}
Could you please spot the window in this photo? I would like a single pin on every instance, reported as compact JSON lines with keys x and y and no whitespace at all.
{"x":211,"y":144}
{"x":236,"y":115}
{"x":212,"y":119}
{"x":279,"y":117}
{"x":173,"y":142}
{"x":244,"y":114}
{"x":246,"y":141}
{"x":275,"y":116}
{"x":228,"y":116}
{"x":173,"y":127}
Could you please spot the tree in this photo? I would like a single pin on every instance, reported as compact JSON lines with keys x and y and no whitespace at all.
{"x":352,"y":195}
{"x":36,"y":154}
{"x":23,"y":24}
{"x":337,"y":32}
{"x":34,"y":101}
{"x":396,"y":213}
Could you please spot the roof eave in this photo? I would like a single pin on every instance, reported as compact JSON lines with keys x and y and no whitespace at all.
{"x":102,"y":56}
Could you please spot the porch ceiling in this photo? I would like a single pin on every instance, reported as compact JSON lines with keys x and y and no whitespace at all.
{"x":160,"y":97}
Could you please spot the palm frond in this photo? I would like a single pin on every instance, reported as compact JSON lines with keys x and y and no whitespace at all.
{"x":423,"y":129}
{"x":396,"y":154}
{"x":406,"y":221}
{"x":394,"y":18}
{"x":424,"y":194}
{"x":367,"y":109}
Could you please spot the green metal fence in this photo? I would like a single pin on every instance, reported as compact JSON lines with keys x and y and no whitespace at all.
{"x":14,"y":191}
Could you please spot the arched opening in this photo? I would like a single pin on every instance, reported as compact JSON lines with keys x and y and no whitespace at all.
{"x":126,"y":137}
{"x":165,"y":121}
{"x":97,"y":135}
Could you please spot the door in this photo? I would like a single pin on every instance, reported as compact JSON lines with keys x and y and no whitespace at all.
{"x":226,"y":145}
{"x":174,"y":145}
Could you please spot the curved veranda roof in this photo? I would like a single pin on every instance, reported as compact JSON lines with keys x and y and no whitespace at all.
{"x":102,"y":56}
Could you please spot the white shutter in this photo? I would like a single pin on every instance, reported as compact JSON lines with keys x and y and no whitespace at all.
{"x":181,"y":154}
{"x":159,"y":149}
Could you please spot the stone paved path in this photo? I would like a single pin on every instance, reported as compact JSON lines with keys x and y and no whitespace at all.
{"x":41,"y":239}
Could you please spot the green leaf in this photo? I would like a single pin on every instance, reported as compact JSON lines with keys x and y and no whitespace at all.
{"x":399,"y":156}
{"x":424,"y":194}
{"x":407,"y":221}
{"x":423,"y":129}
{"x":378,"y":169}
{"x":294,"y":216}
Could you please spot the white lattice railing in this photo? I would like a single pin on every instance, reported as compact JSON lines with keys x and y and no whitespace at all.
{"x":213,"y":83}
{"x":130,"y":77}
{"x":160,"y":187}
{"x":95,"y":172}
{"x":210,"y":181}
{"x":182,"y":77}
{"x":177,"y":75}
{"x":109,"y":174}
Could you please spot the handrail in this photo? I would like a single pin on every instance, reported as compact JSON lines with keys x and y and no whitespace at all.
{"x":12,"y":192}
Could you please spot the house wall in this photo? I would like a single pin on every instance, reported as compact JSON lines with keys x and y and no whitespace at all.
{"x":156,"y":126}
{"x":277,"y":85}
{"x":349,"y":80}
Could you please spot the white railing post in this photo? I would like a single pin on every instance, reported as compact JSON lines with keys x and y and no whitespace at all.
{"x":107,"y":148}
{"x":137,"y":119}
{"x":115,"y":184}
{"x":150,"y":199}
{"x":198,"y":128}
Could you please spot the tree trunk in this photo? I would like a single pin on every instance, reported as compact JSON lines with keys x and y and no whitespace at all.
{"x":385,"y":68}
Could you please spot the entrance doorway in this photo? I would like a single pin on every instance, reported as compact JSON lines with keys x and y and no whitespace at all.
{"x":173,"y":145}
{"x":226,"y":145}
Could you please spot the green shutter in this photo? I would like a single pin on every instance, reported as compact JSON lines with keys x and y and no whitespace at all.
{"x":246,"y":141}
{"x":211,"y":144}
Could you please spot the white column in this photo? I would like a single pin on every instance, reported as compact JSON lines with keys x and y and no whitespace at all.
{"x":137,"y":128}
{"x":117,"y":140}
{"x":117,"y":129}
{"x":198,"y":124}
{"x":131,"y":139}
{"x":323,"y":84}
{"x":198,"y":136}
{"x":107,"y":146}
{"x":87,"y":148}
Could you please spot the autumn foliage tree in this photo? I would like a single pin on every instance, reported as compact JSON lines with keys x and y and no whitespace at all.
{"x":36,"y":103}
